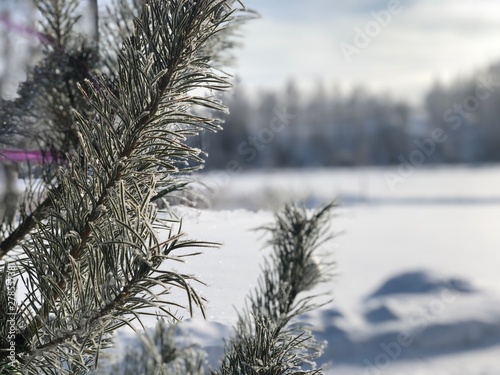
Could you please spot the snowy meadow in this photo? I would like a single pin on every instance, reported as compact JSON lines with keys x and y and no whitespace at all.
{"x":416,"y":286}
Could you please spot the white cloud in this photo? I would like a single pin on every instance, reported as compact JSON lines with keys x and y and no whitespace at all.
{"x":429,"y":40}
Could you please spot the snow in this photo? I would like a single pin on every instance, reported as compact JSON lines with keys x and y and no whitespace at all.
{"x":416,"y":288}
{"x":419,"y":282}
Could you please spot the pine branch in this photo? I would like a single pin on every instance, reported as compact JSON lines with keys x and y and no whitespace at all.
{"x":266,"y":341}
{"x":94,"y":262}
{"x":23,"y":229}
{"x":158,"y":353}
{"x":60,"y":17}
{"x":41,"y":114}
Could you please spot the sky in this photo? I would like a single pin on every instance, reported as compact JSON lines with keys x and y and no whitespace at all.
{"x":395,"y":47}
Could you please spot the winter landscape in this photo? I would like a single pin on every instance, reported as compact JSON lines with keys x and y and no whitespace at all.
{"x":154,"y":168}
{"x":416,"y":286}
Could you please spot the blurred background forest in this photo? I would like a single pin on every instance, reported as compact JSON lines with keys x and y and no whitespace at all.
{"x":359,"y":128}
{"x":299,"y":101}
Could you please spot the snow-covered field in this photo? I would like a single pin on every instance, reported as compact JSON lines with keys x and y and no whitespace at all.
{"x":417,"y":285}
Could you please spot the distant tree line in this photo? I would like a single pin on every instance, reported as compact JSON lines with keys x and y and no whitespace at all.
{"x":469,"y":111}
{"x":291,"y":129}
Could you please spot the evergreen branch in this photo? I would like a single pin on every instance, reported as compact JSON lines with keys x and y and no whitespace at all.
{"x":44,"y":100}
{"x":99,"y":227}
{"x":158,"y":353}
{"x":23,"y":229}
{"x":59,"y":17}
{"x":265,"y":341}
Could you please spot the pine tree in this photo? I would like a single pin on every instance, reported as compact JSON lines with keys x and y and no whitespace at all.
{"x":111,"y":115}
